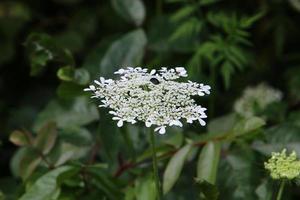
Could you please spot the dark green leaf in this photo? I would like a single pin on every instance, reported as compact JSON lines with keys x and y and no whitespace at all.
{"x":46,"y":138}
{"x":69,"y":90}
{"x":47,"y":186}
{"x":208,"y":191}
{"x":131,"y":10}
{"x":19,"y":138}
{"x":174,"y":167}
{"x":127,"y":51}
{"x":78,"y":112}
{"x":208,"y":160}
{"x":145,"y":189}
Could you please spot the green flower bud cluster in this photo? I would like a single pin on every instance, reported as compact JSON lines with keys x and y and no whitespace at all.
{"x":282,"y":166}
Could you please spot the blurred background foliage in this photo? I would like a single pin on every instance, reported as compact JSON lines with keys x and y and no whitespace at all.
{"x":56,"y":143}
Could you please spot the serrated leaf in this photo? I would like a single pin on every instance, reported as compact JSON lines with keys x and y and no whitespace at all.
{"x":126,"y":51}
{"x":174,"y":168}
{"x":47,"y":186}
{"x":19,"y":138}
{"x":131,"y":10}
{"x":208,"y":161}
{"x":46,"y":138}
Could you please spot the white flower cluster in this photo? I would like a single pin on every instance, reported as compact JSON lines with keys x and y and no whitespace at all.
{"x":254,"y":98}
{"x":151,"y":97}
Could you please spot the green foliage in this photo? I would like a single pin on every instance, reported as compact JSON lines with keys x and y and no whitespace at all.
{"x":57,"y":145}
{"x":174,"y":167}
{"x":208,"y":162}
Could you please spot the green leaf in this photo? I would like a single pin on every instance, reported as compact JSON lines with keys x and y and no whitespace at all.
{"x":174,"y":168}
{"x":80,"y":76}
{"x":47,"y":186}
{"x":42,"y":49}
{"x":78,"y":112}
{"x":285,"y":135}
{"x":104,"y":182}
{"x":221,"y":125}
{"x":126,"y":51}
{"x":131,"y":10}
{"x":295,"y":4}
{"x":74,"y":143}
{"x":207,"y":190}
{"x":24,"y":162}
{"x":227,"y":70}
{"x":19,"y":138}
{"x":66,"y":73}
{"x":69,"y":90}
{"x":182,"y":13}
{"x":264,"y":191}
{"x":145,"y":188}
{"x":248,"y":125}
{"x":208,"y":160}
{"x":46,"y":138}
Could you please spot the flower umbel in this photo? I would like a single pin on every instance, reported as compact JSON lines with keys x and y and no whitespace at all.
{"x":256,"y":97}
{"x":154,"y":97}
{"x":282,"y":166}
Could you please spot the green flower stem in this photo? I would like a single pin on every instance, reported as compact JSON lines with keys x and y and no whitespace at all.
{"x":154,"y":163}
{"x":128,"y":142}
{"x":281,"y":188}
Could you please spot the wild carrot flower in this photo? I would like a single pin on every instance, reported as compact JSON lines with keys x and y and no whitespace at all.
{"x":282,"y":166}
{"x":154,"y":97}
{"x":256,"y":98}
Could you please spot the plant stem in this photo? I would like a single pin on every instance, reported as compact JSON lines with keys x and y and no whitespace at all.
{"x":154,"y":163}
{"x":281,"y":188}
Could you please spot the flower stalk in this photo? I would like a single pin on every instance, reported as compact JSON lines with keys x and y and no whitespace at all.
{"x":281,"y":188}
{"x":154,"y":164}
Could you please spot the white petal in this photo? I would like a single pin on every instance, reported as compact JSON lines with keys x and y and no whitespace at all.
{"x":120,"y":71}
{"x":116,"y":118}
{"x":176,"y":123}
{"x":102,"y":80}
{"x":92,"y":87}
{"x":120,"y":123}
{"x":148,"y":123}
{"x":202,"y":122}
{"x":112,"y":112}
{"x":153,"y":71}
{"x":97,"y":82}
{"x":162,"y":130}
{"x":189,"y":120}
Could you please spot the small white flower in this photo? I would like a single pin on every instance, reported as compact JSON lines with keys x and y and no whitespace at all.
{"x":176,"y":123}
{"x":154,"y":98}
{"x":258,"y":97}
{"x":161,"y":129}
